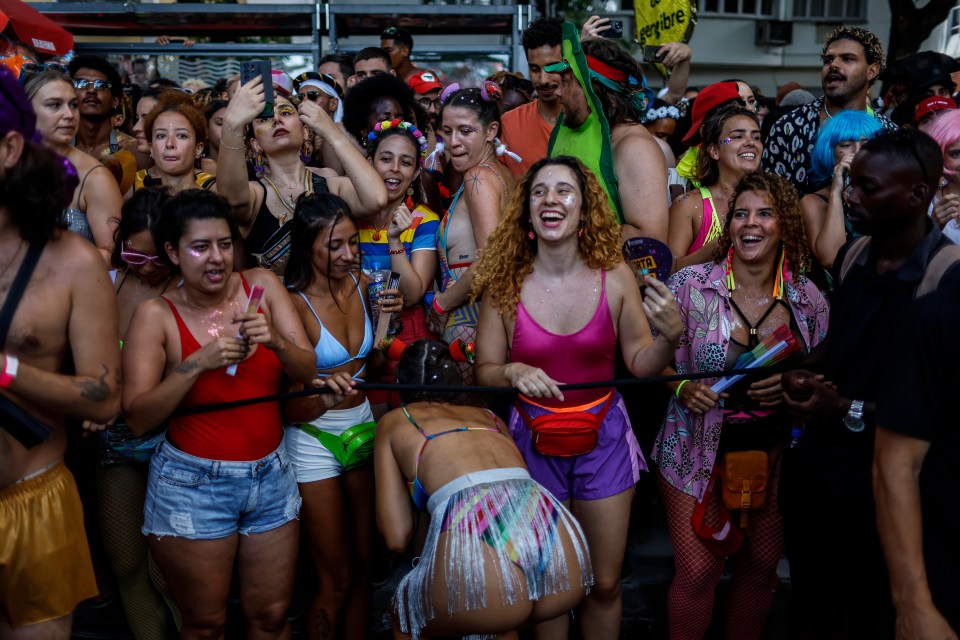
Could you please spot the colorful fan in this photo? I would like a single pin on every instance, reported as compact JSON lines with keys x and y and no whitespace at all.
{"x":776,"y":347}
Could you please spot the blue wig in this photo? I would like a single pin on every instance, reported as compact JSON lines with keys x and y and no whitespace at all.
{"x":846,"y":125}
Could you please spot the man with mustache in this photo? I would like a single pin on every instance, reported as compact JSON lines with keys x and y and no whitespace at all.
{"x":99,"y":90}
{"x":852,"y":60}
{"x":527,"y":129}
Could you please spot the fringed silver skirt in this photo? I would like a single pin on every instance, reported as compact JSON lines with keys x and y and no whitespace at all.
{"x":503,"y":510}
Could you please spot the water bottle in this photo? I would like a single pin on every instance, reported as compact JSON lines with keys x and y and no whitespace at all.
{"x":378,"y":282}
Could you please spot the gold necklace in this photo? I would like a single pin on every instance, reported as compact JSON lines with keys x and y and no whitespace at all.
{"x":289,"y":203}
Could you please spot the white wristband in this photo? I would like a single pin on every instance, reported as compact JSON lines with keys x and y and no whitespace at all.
{"x":10,"y":368}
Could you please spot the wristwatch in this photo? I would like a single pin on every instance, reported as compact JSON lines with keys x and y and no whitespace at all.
{"x":854,"y":417}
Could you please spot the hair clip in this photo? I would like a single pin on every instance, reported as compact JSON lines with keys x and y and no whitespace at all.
{"x":449,"y":91}
{"x":490,"y":91}
{"x":502,"y":150}
{"x":434,"y":158}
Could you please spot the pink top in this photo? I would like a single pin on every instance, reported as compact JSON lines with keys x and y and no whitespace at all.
{"x":584,"y":356}
{"x":709,"y":225}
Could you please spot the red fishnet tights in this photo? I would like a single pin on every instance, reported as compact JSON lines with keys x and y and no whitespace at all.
{"x":698,"y":570}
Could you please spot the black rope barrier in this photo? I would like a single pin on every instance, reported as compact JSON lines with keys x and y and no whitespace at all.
{"x":439,"y":388}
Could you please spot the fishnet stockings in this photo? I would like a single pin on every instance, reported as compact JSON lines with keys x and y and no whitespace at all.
{"x":121,"y":490}
{"x":698,"y":570}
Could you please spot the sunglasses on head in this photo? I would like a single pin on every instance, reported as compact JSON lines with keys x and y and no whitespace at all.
{"x":312,"y":96}
{"x":135,"y":259}
{"x":36,"y":67}
{"x":99,"y":85}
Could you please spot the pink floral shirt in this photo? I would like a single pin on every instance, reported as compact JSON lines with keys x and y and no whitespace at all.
{"x":686,"y":447}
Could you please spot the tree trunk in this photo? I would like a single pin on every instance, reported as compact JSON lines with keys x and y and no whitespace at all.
{"x":910,"y":25}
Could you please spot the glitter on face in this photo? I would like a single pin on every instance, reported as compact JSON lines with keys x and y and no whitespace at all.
{"x":196,"y":253}
{"x":568,"y":200}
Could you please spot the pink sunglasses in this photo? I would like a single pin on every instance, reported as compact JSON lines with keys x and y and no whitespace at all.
{"x":137,"y":259}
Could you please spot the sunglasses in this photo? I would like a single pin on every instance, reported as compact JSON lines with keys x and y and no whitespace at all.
{"x":135,"y":259}
{"x":98,"y":85}
{"x":34,"y":67}
{"x":312,"y":96}
{"x":557,"y":67}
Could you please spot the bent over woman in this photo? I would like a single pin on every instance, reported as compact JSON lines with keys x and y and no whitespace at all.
{"x":501,"y":551}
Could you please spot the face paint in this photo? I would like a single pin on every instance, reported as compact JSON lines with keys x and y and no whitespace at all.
{"x":568,"y":200}
{"x":196,"y":253}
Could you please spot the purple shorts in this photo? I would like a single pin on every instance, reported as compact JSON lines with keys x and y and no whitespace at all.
{"x":613,"y":467}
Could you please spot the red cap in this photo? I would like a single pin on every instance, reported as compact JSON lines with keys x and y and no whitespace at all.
{"x":706,"y":101}
{"x":424,"y":82}
{"x":931,"y":104}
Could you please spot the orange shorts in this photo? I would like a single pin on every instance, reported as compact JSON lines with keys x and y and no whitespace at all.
{"x":45,"y":567}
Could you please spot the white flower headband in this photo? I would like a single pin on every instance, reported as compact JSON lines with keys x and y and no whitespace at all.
{"x":667,"y":111}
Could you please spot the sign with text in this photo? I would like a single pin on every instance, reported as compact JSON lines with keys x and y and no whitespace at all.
{"x":663,"y":21}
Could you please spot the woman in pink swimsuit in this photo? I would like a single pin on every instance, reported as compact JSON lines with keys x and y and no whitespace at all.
{"x":731,"y":149}
{"x":557,"y":301}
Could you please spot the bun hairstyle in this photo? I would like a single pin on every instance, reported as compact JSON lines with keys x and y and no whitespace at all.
{"x":428,"y":362}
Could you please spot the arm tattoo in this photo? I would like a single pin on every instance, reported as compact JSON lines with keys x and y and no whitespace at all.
{"x":94,"y":390}
{"x":475,"y":181}
{"x":186,"y":367}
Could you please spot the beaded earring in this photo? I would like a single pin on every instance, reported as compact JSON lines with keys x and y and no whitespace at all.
{"x":259,"y":164}
{"x":731,"y":285}
{"x":305,"y":153}
{"x":531,"y":235}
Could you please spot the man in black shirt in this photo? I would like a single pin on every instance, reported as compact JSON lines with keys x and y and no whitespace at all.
{"x":839,"y":583}
{"x":917,"y":468}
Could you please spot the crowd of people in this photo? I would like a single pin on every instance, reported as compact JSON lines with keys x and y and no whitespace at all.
{"x":194,"y":298}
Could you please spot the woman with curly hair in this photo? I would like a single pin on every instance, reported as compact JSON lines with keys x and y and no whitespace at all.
{"x":557,"y":301}
{"x":730,"y":149}
{"x":755,"y":287}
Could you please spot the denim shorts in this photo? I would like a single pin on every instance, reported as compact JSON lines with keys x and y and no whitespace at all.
{"x":201,"y":499}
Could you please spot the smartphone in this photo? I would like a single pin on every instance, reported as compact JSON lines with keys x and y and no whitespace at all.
{"x":650,"y":53}
{"x":615,"y":29}
{"x":253,"y":305}
{"x":250,"y":70}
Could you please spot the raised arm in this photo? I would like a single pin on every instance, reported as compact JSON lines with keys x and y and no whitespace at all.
{"x":232,"y":181}
{"x":419,"y":268}
{"x":360,"y":186}
{"x":833,"y":233}
{"x":643,"y":185}
{"x":676,"y":57}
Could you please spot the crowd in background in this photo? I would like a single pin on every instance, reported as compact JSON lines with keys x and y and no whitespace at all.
{"x":165,"y":248}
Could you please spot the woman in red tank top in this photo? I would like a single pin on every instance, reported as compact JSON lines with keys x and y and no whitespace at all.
{"x":219,"y":474}
{"x":557,"y":300}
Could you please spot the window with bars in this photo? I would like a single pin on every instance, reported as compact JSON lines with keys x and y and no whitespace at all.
{"x":743,"y":8}
{"x":830,"y":9}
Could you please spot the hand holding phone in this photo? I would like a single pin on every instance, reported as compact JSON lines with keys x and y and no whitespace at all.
{"x":614,"y":29}
{"x":650,"y":53}
{"x":249,"y":70}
